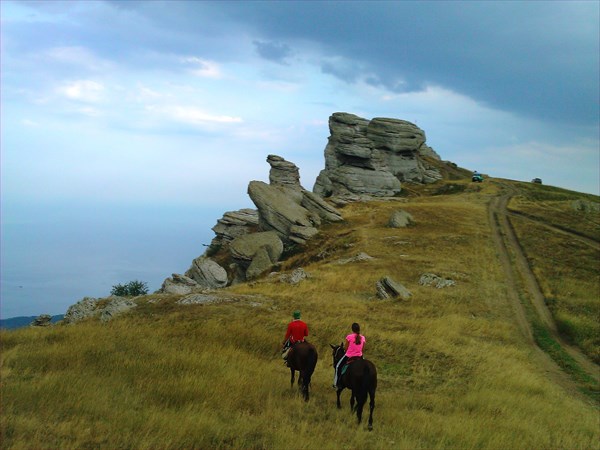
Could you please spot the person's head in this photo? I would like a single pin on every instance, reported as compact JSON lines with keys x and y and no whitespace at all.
{"x":356,"y":329}
{"x":296,"y":314}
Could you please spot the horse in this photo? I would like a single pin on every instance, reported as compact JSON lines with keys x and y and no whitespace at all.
{"x":361,"y":378}
{"x":303,"y":358}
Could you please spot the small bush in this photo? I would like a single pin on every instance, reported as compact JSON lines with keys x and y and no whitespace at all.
{"x":131,"y":289}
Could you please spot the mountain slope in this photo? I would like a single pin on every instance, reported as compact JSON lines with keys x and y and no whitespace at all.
{"x":456,"y":368}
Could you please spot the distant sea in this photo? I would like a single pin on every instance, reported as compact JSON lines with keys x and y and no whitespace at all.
{"x":52,"y":257}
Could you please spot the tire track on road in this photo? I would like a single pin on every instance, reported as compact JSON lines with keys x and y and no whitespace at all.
{"x":507,"y":245}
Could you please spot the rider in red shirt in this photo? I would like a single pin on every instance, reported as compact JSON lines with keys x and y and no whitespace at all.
{"x":297,"y":330}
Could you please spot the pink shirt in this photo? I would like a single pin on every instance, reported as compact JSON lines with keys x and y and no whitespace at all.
{"x":355,"y":349}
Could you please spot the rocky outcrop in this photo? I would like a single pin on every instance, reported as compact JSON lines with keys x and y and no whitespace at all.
{"x":388,"y":288}
{"x":431,"y":279}
{"x":178,"y":284}
{"x":255,"y":254}
{"x":371,"y":158}
{"x":103,"y":308}
{"x":285,"y":207}
{"x":43,"y":320}
{"x":401,"y":219}
{"x":232,"y":225}
{"x":207,"y":273}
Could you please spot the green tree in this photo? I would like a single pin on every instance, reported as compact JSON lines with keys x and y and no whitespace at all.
{"x":131,"y":289}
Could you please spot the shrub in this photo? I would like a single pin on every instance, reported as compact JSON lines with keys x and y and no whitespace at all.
{"x":131,"y":289}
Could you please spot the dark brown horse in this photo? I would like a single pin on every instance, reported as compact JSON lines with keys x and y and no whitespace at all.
{"x":361,"y":378}
{"x":303,"y":358}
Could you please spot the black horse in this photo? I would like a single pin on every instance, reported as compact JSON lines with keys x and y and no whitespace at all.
{"x":303,"y":358}
{"x":361,"y":378}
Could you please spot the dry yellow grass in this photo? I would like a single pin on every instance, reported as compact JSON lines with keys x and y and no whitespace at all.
{"x":454,"y":370}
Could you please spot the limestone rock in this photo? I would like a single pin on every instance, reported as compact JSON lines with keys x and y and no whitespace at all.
{"x":373,"y":157}
{"x":261,"y":263}
{"x":430,"y":279}
{"x":388,"y":288}
{"x":43,"y":320}
{"x":115,"y":306}
{"x":207,"y":273}
{"x":178,"y":284}
{"x":295,"y":277}
{"x":84,"y":308}
{"x":362,"y":256}
{"x":283,"y":173}
{"x":234,"y":224}
{"x":320,"y":207}
{"x":245,"y":247}
{"x":276,"y":211}
{"x":401,"y":219}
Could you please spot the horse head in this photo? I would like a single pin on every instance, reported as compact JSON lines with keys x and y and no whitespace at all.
{"x":337,"y":352}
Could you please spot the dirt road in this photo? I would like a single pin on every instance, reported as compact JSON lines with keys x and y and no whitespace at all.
{"x":517,"y":269}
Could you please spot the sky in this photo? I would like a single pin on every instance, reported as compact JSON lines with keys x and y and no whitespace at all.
{"x":128,"y":128}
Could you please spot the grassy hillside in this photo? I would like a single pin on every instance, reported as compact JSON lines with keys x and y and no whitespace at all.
{"x":455,"y":369}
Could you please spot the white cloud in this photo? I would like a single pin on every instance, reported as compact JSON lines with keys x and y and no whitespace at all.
{"x":203,"y":67}
{"x":82,"y":90}
{"x":192,"y":115}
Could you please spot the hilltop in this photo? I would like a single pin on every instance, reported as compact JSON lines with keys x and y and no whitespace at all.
{"x":504,"y":358}
{"x":479,"y":302}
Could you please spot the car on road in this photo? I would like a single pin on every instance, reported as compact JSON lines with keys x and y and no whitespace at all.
{"x":537,"y":180}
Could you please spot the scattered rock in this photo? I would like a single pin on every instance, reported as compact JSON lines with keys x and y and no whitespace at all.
{"x":43,"y":320}
{"x":430,"y":279}
{"x":388,"y":288}
{"x":199,"y":299}
{"x":358,"y":258}
{"x":207,"y":273}
{"x":116,"y":306}
{"x":84,"y":308}
{"x":295,"y":277}
{"x":401,"y":219}
{"x":178,"y":284}
{"x":104,"y":308}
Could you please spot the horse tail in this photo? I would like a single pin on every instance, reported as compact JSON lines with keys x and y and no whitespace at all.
{"x":363,"y":390}
{"x":311,"y":363}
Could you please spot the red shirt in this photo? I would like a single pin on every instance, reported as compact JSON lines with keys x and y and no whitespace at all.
{"x":296,"y":331}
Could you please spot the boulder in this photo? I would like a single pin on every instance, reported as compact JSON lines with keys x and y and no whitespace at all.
{"x":295,"y":277}
{"x":83,"y":309}
{"x":320,"y":207}
{"x":234,"y":224}
{"x":43,"y":320}
{"x":431,"y":279}
{"x":371,"y":158}
{"x":261,"y":263}
{"x":245,"y":247}
{"x":400,"y":219}
{"x":388,"y":288}
{"x":283,"y":173}
{"x":115,"y":306}
{"x":178,"y":284}
{"x":277,"y":211}
{"x":207,"y":273}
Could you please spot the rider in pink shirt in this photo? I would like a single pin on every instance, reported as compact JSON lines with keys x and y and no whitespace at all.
{"x":354,"y":345}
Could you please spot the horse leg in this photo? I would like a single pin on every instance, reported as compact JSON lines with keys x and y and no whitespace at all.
{"x":371,"y":408}
{"x":293,"y":376}
{"x":352,"y":398}
{"x":338,"y":392}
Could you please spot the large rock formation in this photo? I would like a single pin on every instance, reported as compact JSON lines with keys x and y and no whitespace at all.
{"x":285,"y":207}
{"x":372,"y":158}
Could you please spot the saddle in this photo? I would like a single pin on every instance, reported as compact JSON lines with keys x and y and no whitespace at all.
{"x":348,"y":362}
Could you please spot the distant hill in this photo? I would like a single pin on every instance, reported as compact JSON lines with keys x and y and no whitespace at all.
{"x":23,"y":321}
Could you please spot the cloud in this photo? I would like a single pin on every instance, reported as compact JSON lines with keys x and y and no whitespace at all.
{"x":191,"y":115}
{"x":273,"y":51}
{"x":82,"y":90}
{"x":203,"y":68}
